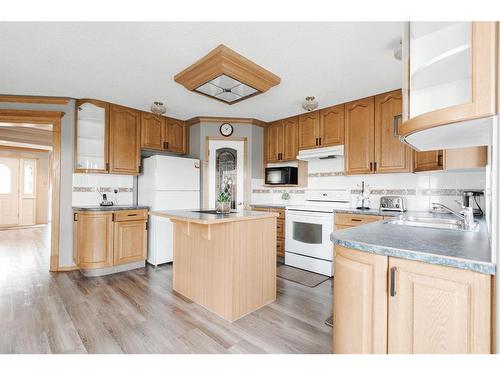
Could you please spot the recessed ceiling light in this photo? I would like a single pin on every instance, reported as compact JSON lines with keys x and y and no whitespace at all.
{"x":226,"y":76}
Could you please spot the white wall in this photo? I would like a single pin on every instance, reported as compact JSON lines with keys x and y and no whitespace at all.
{"x":420,"y":189}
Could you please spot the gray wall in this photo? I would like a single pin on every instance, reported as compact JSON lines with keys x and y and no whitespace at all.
{"x":255,"y":145}
{"x":67,"y":134}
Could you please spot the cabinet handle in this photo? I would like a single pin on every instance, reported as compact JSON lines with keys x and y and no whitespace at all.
{"x":75,"y":216}
{"x":393,"y":282}
{"x":396,"y":125}
{"x":356,"y":220}
{"x":440,"y":160}
{"x":371,"y":166}
{"x":113,"y":216}
{"x":146,"y":225}
{"x":320,"y":141}
{"x":316,"y":141}
{"x":132,"y":215}
{"x":165,"y":145}
{"x":375,"y":166}
{"x":107,"y":166}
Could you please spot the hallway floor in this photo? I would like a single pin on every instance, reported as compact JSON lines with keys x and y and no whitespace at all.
{"x":137,"y":311}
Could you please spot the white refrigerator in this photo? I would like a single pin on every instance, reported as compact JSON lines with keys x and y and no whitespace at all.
{"x":167,"y":183}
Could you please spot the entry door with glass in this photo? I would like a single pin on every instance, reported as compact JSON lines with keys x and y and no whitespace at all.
{"x":9,"y":191}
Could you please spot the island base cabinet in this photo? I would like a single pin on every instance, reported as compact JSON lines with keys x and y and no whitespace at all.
{"x":130,"y":242}
{"x":360,"y":302}
{"x":438,"y":310}
{"x":228,"y":268}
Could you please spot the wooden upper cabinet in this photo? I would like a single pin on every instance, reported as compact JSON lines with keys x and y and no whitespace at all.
{"x":450,"y":73}
{"x":124,"y":140}
{"x":331,"y":126}
{"x":359,"y":302}
{"x":91,"y":136}
{"x":93,"y":239}
{"x":438,"y":310}
{"x":359,"y":136}
{"x":428,"y":161}
{"x":175,"y":136}
{"x":274,"y":141}
{"x":309,"y":130}
{"x":290,"y":148}
{"x":152,"y":131}
{"x":391,"y":155}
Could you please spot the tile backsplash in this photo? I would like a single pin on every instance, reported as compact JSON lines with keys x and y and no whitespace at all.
{"x":418,"y":188}
{"x":86,"y":187}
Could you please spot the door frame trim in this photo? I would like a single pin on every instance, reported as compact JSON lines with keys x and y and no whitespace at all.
{"x":206,"y":164}
{"x":44,"y":118}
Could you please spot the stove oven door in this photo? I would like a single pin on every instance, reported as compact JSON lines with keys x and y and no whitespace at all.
{"x":308,"y":234}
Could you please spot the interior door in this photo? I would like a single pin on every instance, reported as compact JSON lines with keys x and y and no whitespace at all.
{"x":9,"y":191}
{"x":27,"y":192}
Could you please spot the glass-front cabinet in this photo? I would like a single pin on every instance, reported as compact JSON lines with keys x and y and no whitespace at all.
{"x":450,"y":73}
{"x":91,"y":136}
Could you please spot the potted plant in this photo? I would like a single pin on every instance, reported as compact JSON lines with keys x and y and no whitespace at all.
{"x":223,"y":203}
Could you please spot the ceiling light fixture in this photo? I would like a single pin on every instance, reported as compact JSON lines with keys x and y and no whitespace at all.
{"x":310,"y":104}
{"x":158,"y":108}
{"x":226,"y":76}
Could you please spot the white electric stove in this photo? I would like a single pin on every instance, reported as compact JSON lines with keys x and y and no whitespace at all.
{"x":308,"y":227}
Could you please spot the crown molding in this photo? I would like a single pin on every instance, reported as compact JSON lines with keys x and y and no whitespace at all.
{"x":232,"y":120}
{"x":34,"y":99}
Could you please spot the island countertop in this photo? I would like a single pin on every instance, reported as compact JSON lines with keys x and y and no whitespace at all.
{"x":459,"y":249}
{"x":194,"y":216}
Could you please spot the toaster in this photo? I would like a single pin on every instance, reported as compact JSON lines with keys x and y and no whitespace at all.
{"x":392,"y":203}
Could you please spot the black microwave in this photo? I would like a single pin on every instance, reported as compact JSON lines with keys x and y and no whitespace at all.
{"x":281,"y":176}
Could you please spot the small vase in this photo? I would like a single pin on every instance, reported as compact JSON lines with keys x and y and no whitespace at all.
{"x":223,"y":207}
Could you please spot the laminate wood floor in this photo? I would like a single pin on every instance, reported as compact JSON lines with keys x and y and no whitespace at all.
{"x":137,"y":311}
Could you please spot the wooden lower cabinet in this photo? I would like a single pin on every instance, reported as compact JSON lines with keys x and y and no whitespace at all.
{"x":129,"y":242}
{"x":93,"y":239}
{"x":280,"y":228}
{"x":343,"y":221}
{"x":423,"y":308}
{"x":105,"y":239}
{"x":438,"y":310}
{"x":360,"y":302}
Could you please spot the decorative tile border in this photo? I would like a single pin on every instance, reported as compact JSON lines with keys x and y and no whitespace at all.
{"x":326,"y":174}
{"x":403,"y":192}
{"x":86,"y":189}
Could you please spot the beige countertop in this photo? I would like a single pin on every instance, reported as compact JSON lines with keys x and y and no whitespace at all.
{"x":206,"y":218}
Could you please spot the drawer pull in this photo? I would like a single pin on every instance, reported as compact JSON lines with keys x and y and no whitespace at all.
{"x":356,"y":219}
{"x":393,"y":281}
{"x":132,"y":215}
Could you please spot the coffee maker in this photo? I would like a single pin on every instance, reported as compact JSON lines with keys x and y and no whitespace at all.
{"x":469,"y":199}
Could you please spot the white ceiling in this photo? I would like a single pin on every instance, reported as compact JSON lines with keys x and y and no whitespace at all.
{"x":133,"y":64}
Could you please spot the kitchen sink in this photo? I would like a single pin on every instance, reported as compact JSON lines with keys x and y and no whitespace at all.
{"x":429,"y":222}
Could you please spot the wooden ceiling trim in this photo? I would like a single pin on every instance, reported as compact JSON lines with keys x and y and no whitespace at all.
{"x":34,"y":99}
{"x":231,"y":120}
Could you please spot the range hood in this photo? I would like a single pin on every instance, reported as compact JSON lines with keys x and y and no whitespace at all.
{"x":322,"y":153}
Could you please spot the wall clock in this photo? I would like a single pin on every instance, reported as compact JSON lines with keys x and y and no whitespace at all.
{"x":226,"y":129}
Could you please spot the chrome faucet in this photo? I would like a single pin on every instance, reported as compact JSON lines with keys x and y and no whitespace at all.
{"x":466,"y":215}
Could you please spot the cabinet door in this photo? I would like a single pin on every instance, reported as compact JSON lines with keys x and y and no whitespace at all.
{"x":130,"y":241}
{"x":290,"y":138}
{"x":124,"y":140}
{"x":438,"y":310}
{"x":91,"y":136}
{"x":152,"y":131}
{"x":359,"y":302}
{"x":175,"y":136}
{"x":359,"y":136}
{"x":428,"y":160}
{"x":309,"y":130}
{"x":450,"y":73}
{"x":274,"y":141}
{"x":331,"y":126}
{"x":391,"y":155}
{"x":94,"y":239}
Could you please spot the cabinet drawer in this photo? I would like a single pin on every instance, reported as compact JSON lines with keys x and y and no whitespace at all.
{"x":355,"y":219}
{"x":130,"y":215}
{"x":280,"y":228}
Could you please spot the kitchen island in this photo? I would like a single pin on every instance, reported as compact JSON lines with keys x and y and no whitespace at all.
{"x":225,"y":263}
